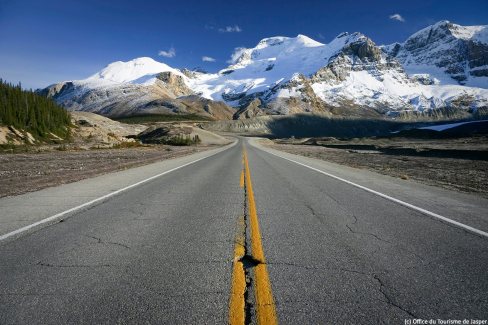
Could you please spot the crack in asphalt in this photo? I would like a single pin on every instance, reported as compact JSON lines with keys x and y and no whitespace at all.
{"x":373,"y":275}
{"x":355,"y":219}
{"x":367,"y":234}
{"x":330,"y":196}
{"x":388,"y":298}
{"x":100,"y":241}
{"x":75,"y":265}
{"x":247,"y":261}
{"x":316,"y":215}
{"x":380,"y":239}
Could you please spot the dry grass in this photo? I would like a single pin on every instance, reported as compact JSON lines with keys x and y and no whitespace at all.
{"x":466,"y":175}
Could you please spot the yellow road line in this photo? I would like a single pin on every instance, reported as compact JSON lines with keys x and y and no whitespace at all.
{"x":265,"y":306}
{"x":237,"y":302}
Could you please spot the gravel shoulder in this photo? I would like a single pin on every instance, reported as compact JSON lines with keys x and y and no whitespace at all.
{"x":28,"y":172}
{"x":456,"y":165}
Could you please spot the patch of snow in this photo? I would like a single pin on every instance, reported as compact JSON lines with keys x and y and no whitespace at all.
{"x":287,"y":93}
{"x":442,"y":127}
{"x":475,"y":33}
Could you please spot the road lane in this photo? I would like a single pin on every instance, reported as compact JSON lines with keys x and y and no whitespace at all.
{"x":470,"y":209}
{"x":23,"y":211}
{"x":338,"y":254}
{"x":159,"y":253}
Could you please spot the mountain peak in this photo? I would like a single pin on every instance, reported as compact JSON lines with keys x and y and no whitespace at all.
{"x":346,"y":38}
{"x":307,"y":41}
{"x":272,"y":47}
{"x":271,"y":41}
{"x":350,"y":35}
{"x":299,"y":40}
{"x":445,"y":28}
{"x":457,"y":52}
{"x":441,"y":23}
{"x":143,"y":60}
{"x":132,"y":70}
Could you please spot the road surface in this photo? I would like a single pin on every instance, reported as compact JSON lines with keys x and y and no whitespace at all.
{"x":178,"y":247}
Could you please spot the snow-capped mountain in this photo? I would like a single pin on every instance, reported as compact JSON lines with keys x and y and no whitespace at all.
{"x":446,"y":50}
{"x":142,"y":85}
{"x":444,"y":66}
{"x":138,"y":71}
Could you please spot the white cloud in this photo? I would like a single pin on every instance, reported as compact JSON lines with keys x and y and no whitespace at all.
{"x":397,"y":17}
{"x":207,"y":59}
{"x":238,"y":51}
{"x":171,"y":53}
{"x":231,"y":29}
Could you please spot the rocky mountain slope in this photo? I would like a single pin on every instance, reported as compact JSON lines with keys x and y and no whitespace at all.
{"x":138,"y":86}
{"x":440,"y":71}
{"x":446,"y":50}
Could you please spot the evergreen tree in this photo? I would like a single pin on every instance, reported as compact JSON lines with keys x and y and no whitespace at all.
{"x":30,"y":112}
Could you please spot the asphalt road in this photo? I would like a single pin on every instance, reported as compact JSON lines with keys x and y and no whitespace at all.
{"x":164,"y":251}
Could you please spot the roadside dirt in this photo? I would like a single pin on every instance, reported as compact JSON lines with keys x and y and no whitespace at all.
{"x":451,"y":164}
{"x":28,"y":172}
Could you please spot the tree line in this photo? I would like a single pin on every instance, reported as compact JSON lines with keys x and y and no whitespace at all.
{"x":25,"y":110}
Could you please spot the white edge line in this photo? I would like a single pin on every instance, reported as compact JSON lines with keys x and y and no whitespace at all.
{"x":104,"y":197}
{"x":408,"y":205}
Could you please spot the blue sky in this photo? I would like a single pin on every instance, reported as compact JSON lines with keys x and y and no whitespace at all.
{"x":42,"y":42}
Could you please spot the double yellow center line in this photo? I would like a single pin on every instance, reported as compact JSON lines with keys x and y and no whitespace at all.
{"x":265,"y":306}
